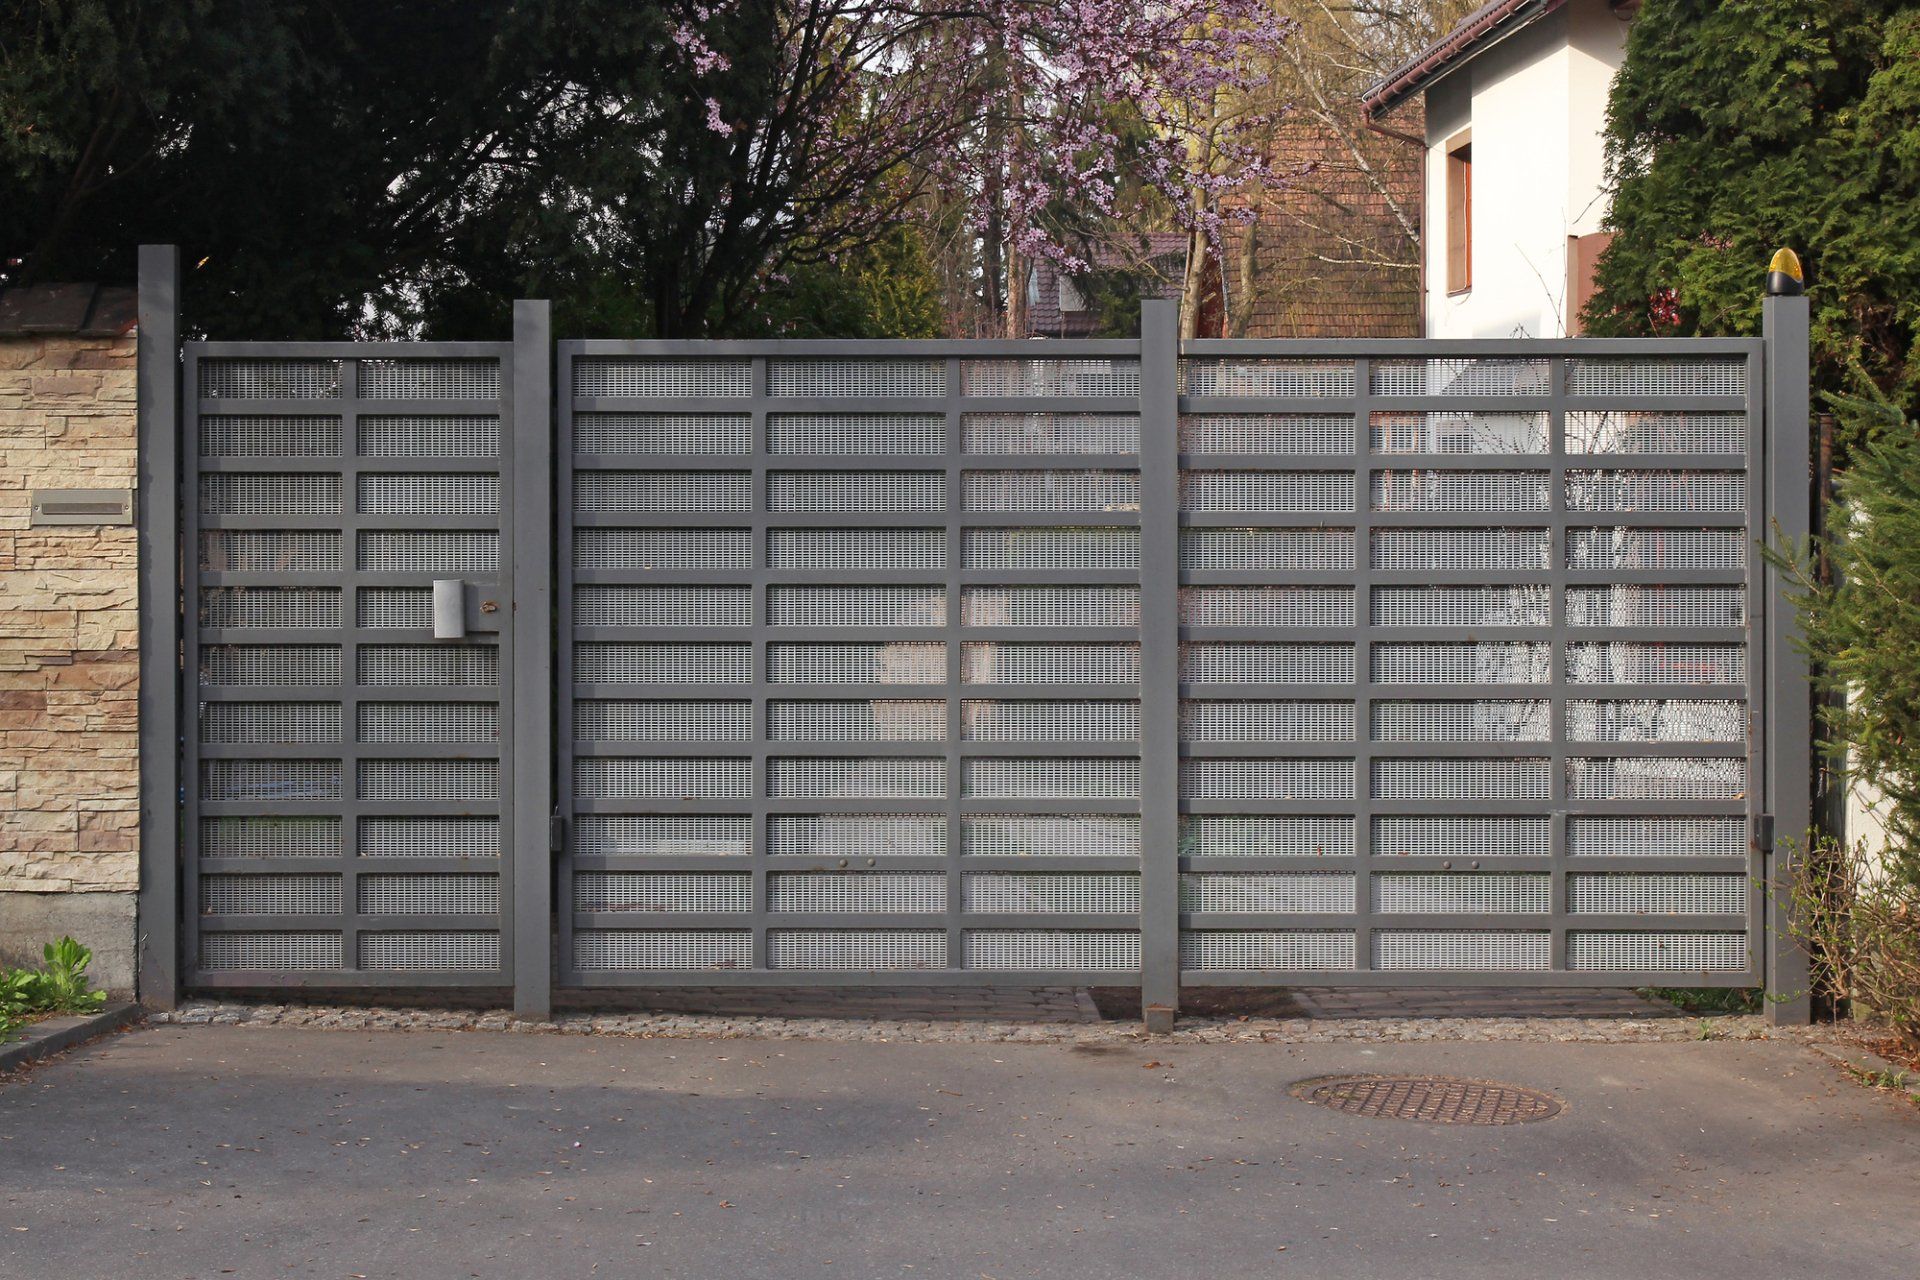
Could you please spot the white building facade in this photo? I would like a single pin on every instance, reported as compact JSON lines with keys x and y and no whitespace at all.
{"x":1515,"y":169}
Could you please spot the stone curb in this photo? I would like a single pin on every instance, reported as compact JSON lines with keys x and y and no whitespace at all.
{"x":1862,"y":1062}
{"x":57,"y":1035}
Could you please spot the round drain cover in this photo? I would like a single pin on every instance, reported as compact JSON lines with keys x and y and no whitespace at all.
{"x":1434,"y":1099}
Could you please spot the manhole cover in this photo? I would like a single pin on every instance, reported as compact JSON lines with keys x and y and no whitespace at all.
{"x":1434,"y":1099}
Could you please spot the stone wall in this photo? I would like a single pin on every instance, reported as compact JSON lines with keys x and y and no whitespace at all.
{"x":69,"y":655}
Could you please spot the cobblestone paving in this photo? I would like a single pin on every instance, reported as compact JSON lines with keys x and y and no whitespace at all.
{"x":1046,"y":1017}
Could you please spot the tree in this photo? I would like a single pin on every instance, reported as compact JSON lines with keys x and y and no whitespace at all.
{"x":336,"y":166}
{"x":1739,"y":126}
{"x":1349,"y":208}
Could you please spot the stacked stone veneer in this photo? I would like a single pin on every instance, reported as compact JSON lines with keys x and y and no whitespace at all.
{"x":69,"y":654}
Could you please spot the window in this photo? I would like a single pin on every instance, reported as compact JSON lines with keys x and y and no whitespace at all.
{"x":1460,"y":213}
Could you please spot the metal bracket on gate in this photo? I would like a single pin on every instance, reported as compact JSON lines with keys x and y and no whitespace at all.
{"x":556,"y":833}
{"x":459,"y":608}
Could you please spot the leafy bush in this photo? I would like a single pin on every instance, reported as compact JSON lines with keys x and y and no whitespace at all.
{"x":1857,"y":909}
{"x":1862,"y":624}
{"x":1860,"y":925}
{"x":59,"y":986}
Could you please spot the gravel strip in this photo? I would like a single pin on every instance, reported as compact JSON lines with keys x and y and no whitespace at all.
{"x":1190,"y":1031}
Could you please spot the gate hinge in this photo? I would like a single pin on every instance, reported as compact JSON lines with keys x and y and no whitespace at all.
{"x":556,"y":833}
{"x":1763,"y":833}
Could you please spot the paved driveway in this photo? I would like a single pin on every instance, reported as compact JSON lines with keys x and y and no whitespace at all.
{"x":210,"y":1151}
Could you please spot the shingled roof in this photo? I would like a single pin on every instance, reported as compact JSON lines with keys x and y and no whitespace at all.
{"x":1329,"y":257}
{"x":1163,"y":255}
{"x":1484,"y":26}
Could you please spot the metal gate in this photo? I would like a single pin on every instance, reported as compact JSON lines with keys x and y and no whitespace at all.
{"x":899,"y":663}
{"x":1465,"y":677}
{"x":348,"y":784}
{"x":854,"y":662}
{"x":884,"y":666}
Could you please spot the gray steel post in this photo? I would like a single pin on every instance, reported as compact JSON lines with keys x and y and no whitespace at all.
{"x":157,"y":379}
{"x":1159,"y":664}
{"x":532,"y":764}
{"x":1788,"y":743}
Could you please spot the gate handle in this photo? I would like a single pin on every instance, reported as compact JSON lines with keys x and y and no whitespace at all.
{"x":449,"y":609}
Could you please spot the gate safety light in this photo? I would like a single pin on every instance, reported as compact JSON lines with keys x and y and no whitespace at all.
{"x":1784,"y":279}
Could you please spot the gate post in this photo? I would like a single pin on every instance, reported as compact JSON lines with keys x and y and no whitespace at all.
{"x":532,"y":767}
{"x":157,"y":391}
{"x":1788,"y":729}
{"x":1159,"y":663}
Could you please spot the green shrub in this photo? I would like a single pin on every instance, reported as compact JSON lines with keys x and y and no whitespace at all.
{"x":1860,"y":925}
{"x":1862,"y":625}
{"x":59,"y":986}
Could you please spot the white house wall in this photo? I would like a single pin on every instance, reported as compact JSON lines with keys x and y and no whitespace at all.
{"x":1536,"y":103}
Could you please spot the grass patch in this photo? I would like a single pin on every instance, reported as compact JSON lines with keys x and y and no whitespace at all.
{"x":1709,"y":999}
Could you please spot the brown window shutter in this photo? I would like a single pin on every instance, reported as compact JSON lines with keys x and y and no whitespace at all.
{"x":1583,"y":259}
{"x":1460,"y":217}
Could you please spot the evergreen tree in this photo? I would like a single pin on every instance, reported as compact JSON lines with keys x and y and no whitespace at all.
{"x":1739,"y":126}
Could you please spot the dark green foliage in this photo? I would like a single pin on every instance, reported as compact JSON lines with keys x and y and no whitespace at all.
{"x":60,"y":985}
{"x":1863,"y":629}
{"x":1740,"y":126}
{"x":341,"y":166}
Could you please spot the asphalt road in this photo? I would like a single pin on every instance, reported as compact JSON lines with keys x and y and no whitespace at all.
{"x":209,"y":1151}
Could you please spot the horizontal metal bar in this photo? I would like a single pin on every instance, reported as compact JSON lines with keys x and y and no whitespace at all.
{"x":345,"y":350}
{"x":1458,"y":979}
{"x":1441,"y":348}
{"x":855,"y":348}
{"x":290,"y":407}
{"x":1023,"y":805}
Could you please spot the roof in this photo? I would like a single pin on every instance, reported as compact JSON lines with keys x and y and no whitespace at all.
{"x":1045,"y":317}
{"x":1486,"y":25}
{"x":1329,"y":258}
{"x":81,"y":310}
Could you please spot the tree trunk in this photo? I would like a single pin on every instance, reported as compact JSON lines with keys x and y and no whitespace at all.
{"x":1245,"y":263}
{"x":1193,"y":285}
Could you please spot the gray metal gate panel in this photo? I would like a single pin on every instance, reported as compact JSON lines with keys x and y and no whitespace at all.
{"x":850,"y":681}
{"x":1467,"y":696}
{"x":347,"y":789}
{"x":1463,"y":691}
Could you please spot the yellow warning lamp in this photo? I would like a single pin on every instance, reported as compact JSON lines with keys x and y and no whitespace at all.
{"x":1784,"y":277}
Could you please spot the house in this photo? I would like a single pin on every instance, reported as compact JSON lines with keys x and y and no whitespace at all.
{"x":1331,"y":252}
{"x":1515,"y":176}
{"x":1058,"y":305}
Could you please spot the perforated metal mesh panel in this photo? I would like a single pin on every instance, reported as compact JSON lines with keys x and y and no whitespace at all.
{"x":987,"y":434}
{"x":857,"y":434}
{"x":1455,"y":893}
{"x":1462,"y":950}
{"x":1249,"y":836}
{"x":1622,"y":952}
{"x":1055,"y":950}
{"x":887,"y":893}
{"x":1266,"y":950}
{"x":277,"y":609}
{"x":856,"y":949}
{"x":326,"y":735}
{"x":1287,"y":893}
{"x":663,"y":721}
